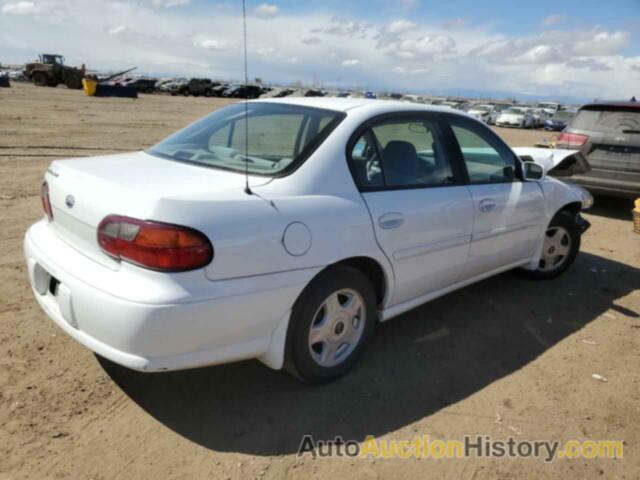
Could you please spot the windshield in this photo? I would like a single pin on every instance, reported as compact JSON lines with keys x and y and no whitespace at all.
{"x":278,"y":137}
{"x":517,"y":111}
{"x":480,"y":108}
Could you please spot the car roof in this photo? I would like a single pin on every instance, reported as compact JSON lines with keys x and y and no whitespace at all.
{"x":611,"y":104}
{"x":342,"y":104}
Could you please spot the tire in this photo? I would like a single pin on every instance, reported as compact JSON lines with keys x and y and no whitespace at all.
{"x":562,"y":243}
{"x":341,"y":334}
{"x":40,"y":79}
{"x":73,"y":83}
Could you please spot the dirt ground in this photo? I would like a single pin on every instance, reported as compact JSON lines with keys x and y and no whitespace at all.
{"x":505,"y":357}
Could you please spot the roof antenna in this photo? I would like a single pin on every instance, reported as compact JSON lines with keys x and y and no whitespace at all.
{"x":247,"y":190}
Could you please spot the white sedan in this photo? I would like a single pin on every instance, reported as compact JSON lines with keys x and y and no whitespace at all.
{"x":485,"y":113}
{"x":290,"y":239}
{"x":519,"y":117}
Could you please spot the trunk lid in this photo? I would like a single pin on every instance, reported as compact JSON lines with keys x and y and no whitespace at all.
{"x":613,"y":147}
{"x":84,"y":191}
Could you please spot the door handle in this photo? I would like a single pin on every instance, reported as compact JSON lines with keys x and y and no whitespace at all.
{"x":486,"y":205}
{"x":390,"y":220}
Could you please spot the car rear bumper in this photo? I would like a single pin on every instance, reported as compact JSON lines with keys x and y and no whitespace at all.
{"x":607,"y":186}
{"x":235,"y":321}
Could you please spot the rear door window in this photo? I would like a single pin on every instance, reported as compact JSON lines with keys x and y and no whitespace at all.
{"x":401,"y":152}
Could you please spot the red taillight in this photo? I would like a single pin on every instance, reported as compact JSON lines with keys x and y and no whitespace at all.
{"x":46,"y":203}
{"x":572,"y":140}
{"x":154,"y":245}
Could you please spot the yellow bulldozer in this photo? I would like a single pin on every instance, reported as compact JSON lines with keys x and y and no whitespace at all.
{"x":50,"y":71}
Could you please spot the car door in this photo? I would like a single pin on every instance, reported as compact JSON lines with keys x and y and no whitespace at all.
{"x":420,"y":208}
{"x":507,"y":211}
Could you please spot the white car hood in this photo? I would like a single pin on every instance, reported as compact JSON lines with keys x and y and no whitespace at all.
{"x":556,"y":162}
{"x":547,"y":157}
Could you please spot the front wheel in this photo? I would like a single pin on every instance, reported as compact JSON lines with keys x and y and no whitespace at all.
{"x":40,"y":79}
{"x":331,"y":322}
{"x":560,"y":248}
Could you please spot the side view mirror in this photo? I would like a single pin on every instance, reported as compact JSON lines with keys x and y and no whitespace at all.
{"x":532,"y":171}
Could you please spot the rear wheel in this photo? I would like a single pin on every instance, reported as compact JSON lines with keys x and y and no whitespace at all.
{"x":40,"y":79}
{"x":330,"y":325}
{"x":560,"y":248}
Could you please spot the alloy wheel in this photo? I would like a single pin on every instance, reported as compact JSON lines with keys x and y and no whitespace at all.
{"x":337,"y":327}
{"x":556,"y":248}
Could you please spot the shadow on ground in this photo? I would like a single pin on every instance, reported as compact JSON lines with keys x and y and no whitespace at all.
{"x":424,"y":361}
{"x":612,"y":207}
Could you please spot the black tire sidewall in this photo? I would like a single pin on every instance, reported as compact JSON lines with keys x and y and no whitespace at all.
{"x":299,"y":361}
{"x":40,"y":79}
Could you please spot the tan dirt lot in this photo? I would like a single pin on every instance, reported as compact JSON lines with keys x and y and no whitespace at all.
{"x":505,"y":357}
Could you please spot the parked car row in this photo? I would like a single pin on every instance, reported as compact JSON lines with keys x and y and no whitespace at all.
{"x":548,"y":115}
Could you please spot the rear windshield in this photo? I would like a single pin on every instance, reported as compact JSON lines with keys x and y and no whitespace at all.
{"x":608,"y":120}
{"x":271,"y":139}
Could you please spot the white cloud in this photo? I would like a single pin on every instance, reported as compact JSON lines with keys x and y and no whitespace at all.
{"x":266,"y":51}
{"x":400,"y":26}
{"x":552,"y":47}
{"x":602,"y":43}
{"x":425,"y":46}
{"x":590,"y":64}
{"x":116,"y":30}
{"x":192,"y":42}
{"x":311,"y":41}
{"x":210,"y":44}
{"x":413,"y":71}
{"x":170,"y":3}
{"x":552,"y":20}
{"x":266,"y":10}
{"x":337,"y":27}
{"x":352,"y":62}
{"x":19,"y":8}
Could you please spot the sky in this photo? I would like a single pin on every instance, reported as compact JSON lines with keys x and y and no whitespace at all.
{"x":583,"y":49}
